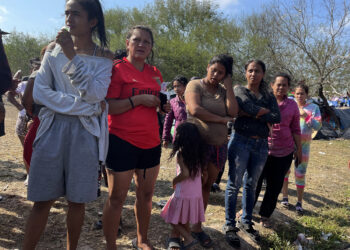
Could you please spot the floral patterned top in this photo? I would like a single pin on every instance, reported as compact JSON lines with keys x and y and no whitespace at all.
{"x":178,"y":112}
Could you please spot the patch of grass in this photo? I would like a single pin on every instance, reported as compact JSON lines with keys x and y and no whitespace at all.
{"x":326,"y":201}
{"x":331,"y":220}
{"x":276,"y":241}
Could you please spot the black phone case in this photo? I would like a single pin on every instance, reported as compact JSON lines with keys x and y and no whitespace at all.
{"x":163,"y":100}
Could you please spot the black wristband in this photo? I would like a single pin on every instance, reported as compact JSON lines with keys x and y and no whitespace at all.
{"x":131,"y":102}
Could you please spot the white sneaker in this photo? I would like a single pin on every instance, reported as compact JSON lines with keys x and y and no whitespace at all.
{"x":26,"y":181}
{"x":285,"y":202}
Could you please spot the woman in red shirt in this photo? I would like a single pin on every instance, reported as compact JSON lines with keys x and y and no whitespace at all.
{"x":134,"y":143}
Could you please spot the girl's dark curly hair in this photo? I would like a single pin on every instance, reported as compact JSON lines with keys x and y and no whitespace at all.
{"x":191,"y":146}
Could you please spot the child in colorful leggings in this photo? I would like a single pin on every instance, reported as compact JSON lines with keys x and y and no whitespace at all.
{"x":310,"y":119}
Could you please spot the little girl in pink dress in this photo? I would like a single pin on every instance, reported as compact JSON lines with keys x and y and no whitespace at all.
{"x":186,"y":204}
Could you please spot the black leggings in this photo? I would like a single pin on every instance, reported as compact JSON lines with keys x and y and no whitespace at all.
{"x":274,"y":171}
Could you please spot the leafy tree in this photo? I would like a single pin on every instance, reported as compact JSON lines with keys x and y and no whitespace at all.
{"x":20,"y":48}
{"x":187,"y":34}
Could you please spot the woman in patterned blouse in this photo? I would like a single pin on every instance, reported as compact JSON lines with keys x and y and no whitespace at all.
{"x":178,"y":109}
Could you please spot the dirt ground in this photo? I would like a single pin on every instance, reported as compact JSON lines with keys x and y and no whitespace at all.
{"x":323,"y":185}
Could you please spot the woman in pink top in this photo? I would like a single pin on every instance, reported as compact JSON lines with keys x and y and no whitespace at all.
{"x":284,"y":138}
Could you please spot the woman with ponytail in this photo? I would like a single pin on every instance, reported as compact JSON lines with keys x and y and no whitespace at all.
{"x":211,"y":104}
{"x":71,"y":140}
{"x":248,"y":148}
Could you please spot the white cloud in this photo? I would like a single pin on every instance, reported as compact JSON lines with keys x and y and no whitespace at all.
{"x":348,"y":22}
{"x":227,"y":3}
{"x":224,"y":4}
{"x":3,"y":10}
{"x":55,"y":20}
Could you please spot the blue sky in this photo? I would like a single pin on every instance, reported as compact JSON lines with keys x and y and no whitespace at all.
{"x":37,"y":17}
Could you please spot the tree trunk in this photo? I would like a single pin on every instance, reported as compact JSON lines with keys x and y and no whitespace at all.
{"x":329,"y":111}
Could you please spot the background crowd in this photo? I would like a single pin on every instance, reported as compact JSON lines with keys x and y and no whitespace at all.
{"x":96,"y":110}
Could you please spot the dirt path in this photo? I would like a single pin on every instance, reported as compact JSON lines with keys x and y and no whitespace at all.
{"x":14,"y":207}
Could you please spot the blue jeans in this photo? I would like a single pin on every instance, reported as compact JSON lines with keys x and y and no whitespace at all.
{"x":246,"y":156}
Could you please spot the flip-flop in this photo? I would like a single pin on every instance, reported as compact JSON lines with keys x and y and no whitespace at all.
{"x":203,"y":239}
{"x":265,"y":222}
{"x":134,"y":244}
{"x":174,"y":243}
{"x":239,"y":214}
{"x":188,"y":246}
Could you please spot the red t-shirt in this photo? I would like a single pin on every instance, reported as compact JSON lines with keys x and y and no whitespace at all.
{"x":138,"y":126}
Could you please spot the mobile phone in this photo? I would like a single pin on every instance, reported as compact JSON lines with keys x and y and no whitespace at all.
{"x":163,"y":100}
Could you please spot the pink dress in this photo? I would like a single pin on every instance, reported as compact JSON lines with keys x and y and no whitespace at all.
{"x":186,"y":203}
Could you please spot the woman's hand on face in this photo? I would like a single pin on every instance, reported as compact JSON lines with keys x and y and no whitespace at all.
{"x":64,"y":39}
{"x":228,"y":81}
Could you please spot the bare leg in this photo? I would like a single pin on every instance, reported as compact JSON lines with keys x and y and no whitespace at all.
{"x":21,"y":139}
{"x":26,"y":164}
{"x":174,"y":233}
{"x":36,"y":223}
{"x":143,"y":203}
{"x":300,"y":193}
{"x":118,"y":186}
{"x":285,"y":189}
{"x":213,"y":172}
{"x":75,"y":220}
{"x":184,"y":231}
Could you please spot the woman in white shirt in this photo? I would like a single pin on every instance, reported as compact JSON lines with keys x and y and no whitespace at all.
{"x":71,"y":139}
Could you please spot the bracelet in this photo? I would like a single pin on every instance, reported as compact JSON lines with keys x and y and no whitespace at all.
{"x":131,"y":102}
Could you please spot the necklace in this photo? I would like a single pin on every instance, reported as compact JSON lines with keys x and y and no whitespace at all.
{"x":87,"y":51}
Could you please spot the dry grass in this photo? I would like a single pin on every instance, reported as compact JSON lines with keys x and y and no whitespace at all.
{"x":327,"y":201}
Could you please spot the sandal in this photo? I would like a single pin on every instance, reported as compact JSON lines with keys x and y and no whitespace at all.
{"x":285,"y":202}
{"x":188,"y":246}
{"x":299,"y":209}
{"x":134,"y":244}
{"x":174,"y":243}
{"x":265,"y":222}
{"x":239,"y":214}
{"x":203,"y":238}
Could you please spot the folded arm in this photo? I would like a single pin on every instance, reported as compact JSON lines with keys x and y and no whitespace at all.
{"x":92,"y":86}
{"x":44,"y":93}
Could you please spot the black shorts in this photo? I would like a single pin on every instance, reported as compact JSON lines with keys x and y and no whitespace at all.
{"x":123,"y":156}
